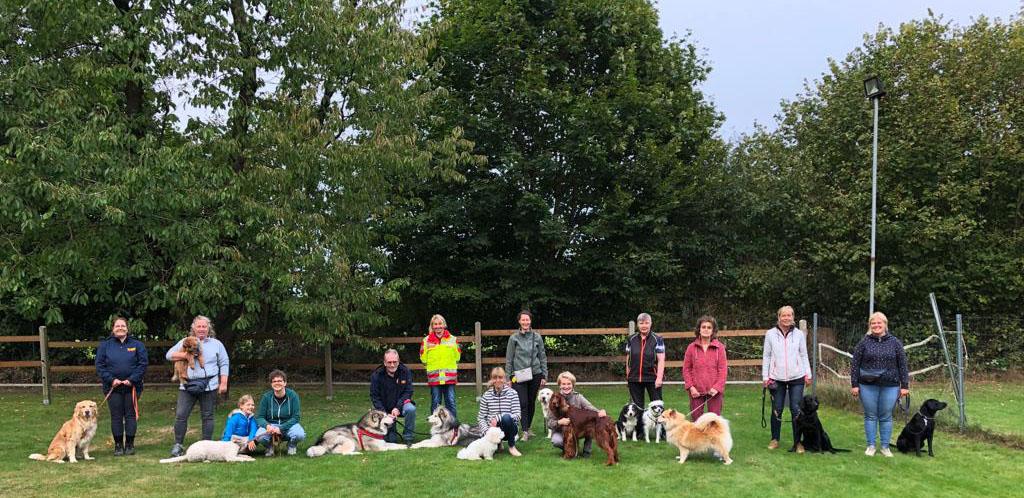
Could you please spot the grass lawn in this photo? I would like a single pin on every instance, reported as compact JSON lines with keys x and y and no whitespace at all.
{"x":996,"y":407}
{"x":961,"y":466}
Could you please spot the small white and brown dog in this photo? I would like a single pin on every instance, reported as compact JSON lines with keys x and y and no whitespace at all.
{"x":484,"y":447}
{"x":543,"y":397}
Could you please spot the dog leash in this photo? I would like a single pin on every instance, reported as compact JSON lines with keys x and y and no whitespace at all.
{"x":904,"y":409}
{"x":704,"y":404}
{"x":397,"y":423}
{"x":135,"y":401}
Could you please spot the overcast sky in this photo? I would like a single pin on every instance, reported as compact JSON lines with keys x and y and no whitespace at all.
{"x":762,"y":51}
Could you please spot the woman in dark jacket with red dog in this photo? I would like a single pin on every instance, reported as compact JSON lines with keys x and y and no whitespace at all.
{"x":121,"y":363}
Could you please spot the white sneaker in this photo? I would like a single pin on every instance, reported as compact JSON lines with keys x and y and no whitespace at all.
{"x":870,"y":451}
{"x":514,"y":452}
{"x":886,"y":453}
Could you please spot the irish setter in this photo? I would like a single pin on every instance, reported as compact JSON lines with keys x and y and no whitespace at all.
{"x":585,"y":423}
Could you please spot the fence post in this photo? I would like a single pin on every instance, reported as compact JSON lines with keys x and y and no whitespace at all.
{"x":945,"y":347}
{"x":632,"y":327}
{"x":814,"y":355}
{"x":44,"y":363}
{"x":960,"y":346}
{"x":329,"y":368}
{"x":478,"y":346}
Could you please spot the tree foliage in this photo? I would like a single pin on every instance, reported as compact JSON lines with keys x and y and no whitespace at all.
{"x":164,"y":159}
{"x":590,"y":125}
{"x":951,"y":189}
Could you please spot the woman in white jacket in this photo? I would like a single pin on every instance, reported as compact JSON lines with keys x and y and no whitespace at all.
{"x":785,"y":369}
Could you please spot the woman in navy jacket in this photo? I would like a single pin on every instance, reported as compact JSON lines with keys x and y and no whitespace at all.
{"x":121,"y":364}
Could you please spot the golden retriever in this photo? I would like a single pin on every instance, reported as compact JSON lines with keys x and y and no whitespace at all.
{"x":191,"y":346}
{"x":74,"y":435}
{"x":709,"y":432}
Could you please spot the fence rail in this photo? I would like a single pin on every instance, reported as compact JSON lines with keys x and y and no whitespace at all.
{"x":330,"y":366}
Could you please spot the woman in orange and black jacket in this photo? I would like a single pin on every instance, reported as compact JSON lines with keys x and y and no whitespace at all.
{"x":645,"y":362}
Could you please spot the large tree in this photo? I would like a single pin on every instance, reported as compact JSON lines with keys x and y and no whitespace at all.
{"x":249,"y":201}
{"x":951,"y":188}
{"x":588,"y":204}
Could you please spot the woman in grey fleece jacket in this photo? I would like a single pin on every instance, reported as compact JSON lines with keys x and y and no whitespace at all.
{"x":567,"y":387}
{"x":525,"y":350}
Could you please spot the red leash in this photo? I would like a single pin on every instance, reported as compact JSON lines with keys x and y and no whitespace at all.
{"x":135,"y":401}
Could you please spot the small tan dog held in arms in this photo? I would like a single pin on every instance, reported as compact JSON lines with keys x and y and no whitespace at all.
{"x":709,"y":433}
{"x":191,"y":346}
{"x":73,"y":436}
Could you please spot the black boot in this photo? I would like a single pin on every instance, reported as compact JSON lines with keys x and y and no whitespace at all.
{"x":587,"y":447}
{"x":118,"y":447}
{"x":129,"y":445}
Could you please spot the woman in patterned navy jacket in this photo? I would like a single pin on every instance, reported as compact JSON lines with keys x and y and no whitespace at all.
{"x":879,"y":376}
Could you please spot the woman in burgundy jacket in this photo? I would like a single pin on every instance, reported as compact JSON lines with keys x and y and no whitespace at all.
{"x":705,"y":368}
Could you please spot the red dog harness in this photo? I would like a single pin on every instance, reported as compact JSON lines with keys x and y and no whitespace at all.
{"x":455,"y":437}
{"x":362,"y":432}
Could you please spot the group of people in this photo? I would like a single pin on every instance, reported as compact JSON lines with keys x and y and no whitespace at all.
{"x":879,"y":377}
{"x":121,"y":362}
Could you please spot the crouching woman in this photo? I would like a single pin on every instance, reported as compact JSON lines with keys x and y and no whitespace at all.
{"x":567,"y":387}
{"x":499,"y":407}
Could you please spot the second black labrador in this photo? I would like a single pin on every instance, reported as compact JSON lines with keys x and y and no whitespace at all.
{"x":921,"y":428}
{"x":810,"y":435}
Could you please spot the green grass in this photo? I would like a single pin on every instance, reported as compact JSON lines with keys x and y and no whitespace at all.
{"x":961,"y":467}
{"x":994,"y":407}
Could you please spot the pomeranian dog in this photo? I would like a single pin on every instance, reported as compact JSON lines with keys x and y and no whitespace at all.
{"x":709,"y":433}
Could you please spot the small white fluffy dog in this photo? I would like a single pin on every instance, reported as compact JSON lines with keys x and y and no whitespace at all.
{"x":544,"y":396}
{"x":483,"y":447}
{"x":211,"y":451}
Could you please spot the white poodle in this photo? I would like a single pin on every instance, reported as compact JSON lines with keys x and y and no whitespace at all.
{"x":211,"y":451}
{"x":483,"y":447}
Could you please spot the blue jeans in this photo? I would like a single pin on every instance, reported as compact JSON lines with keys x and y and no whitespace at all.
{"x":409,"y":413}
{"x":295,"y":435}
{"x":878,"y":402}
{"x":508,"y":425}
{"x":794,"y":390}
{"x":448,"y":391}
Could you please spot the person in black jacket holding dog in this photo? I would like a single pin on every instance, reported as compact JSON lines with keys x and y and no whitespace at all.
{"x":121,"y":363}
{"x":879,"y":377}
{"x":391,"y":392}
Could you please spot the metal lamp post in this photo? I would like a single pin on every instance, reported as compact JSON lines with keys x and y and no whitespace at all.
{"x":873,"y":90}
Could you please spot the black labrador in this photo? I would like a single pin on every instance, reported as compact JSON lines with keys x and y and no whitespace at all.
{"x":920,"y":428}
{"x":810,"y":435}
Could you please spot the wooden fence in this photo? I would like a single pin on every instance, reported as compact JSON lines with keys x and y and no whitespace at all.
{"x":329,"y":365}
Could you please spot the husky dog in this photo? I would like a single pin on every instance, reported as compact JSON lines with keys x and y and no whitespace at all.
{"x":349,"y":439}
{"x":653,"y":422}
{"x":630,"y":421}
{"x":483,"y":447}
{"x":212,"y":451}
{"x":445,"y":430}
{"x":544,"y":396}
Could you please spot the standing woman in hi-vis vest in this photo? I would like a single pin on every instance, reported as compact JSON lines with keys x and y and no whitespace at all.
{"x":440,"y":355}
